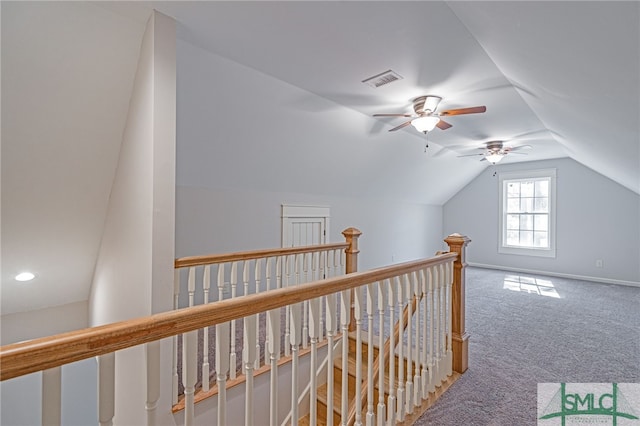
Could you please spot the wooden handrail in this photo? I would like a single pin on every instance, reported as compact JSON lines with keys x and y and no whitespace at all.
{"x":254,"y":254}
{"x":41,"y":354}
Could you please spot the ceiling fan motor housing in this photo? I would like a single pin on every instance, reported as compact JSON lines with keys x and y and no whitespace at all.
{"x":426,"y":104}
{"x":494,"y":146}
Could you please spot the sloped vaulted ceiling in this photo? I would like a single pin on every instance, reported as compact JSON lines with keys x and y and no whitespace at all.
{"x":67,"y":75}
{"x":566,"y":74}
{"x":561,"y":76}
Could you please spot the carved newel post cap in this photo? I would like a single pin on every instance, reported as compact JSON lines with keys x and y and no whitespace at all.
{"x":457,"y":238}
{"x":352,"y":232}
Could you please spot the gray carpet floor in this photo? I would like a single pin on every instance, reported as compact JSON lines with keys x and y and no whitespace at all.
{"x":529,"y":329}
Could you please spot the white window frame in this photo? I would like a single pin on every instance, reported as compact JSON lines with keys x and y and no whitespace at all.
{"x":524,"y":175}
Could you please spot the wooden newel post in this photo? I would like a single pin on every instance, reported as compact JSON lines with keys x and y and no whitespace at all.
{"x":459,"y":336}
{"x":351,"y":236}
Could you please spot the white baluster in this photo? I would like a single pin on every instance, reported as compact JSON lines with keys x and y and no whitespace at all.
{"x":220,"y":281}
{"x":52,"y":396}
{"x":222,"y":360}
{"x":245,"y":278}
{"x":278,"y":285}
{"x":391,"y":399}
{"x":191,"y":291}
{"x":315,"y":260}
{"x":257,"y":275}
{"x":273,"y":348}
{"x":437,"y":325}
{"x":206,"y":285}
{"x":249,"y":359}
{"x":331,"y":305}
{"x":408,"y":289}
{"x":232,"y":355}
{"x":358,"y":311}
{"x":106,"y":388}
{"x":401,"y":361}
{"x":330,"y":268}
{"x":323,"y":260}
{"x":443,"y":321}
{"x":295,"y":339}
{"x":370,"y":419}
{"x":298,"y":268}
{"x":314,"y":331}
{"x":425,"y":336}
{"x":382,"y":300}
{"x":305,"y":305}
{"x":345,"y":314}
{"x":417,"y":384}
{"x":287,"y":324}
{"x":189,"y":373}
{"x":336,"y":263}
{"x":268,"y":271}
{"x":191,"y":285}
{"x":449,"y":278}
{"x":174,"y":364}
{"x":152,"y":352}
{"x":430,"y":297}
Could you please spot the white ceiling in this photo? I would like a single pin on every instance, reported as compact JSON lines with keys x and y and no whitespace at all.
{"x":568,"y":71}
{"x":560,"y":76}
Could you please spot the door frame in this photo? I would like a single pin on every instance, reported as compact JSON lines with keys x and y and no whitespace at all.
{"x":298,"y":211}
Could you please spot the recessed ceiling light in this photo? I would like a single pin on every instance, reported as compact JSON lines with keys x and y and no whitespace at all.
{"x":25,"y":276}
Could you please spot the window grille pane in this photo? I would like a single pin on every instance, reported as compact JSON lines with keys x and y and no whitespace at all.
{"x":513,"y":238}
{"x":513,"y":221}
{"x":542,"y":188}
{"x":526,"y":205}
{"x":513,"y":205}
{"x":541,"y":205}
{"x":513,"y":189}
{"x":526,"y":189}
{"x":526,"y":238}
{"x":526,"y":222}
{"x":540,"y":239}
{"x":527,"y":216}
{"x":541,"y":222}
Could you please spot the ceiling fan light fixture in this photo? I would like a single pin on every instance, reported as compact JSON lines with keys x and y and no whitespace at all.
{"x":494,"y":157}
{"x":426,"y":123}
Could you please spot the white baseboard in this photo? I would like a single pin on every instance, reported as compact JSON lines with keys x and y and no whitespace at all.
{"x":558,"y":274}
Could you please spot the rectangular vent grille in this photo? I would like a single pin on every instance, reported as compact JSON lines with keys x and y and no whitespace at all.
{"x":382,"y":79}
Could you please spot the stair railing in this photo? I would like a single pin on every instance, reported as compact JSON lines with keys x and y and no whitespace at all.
{"x":398,"y":330}
{"x":50,"y":353}
{"x":249,"y":272}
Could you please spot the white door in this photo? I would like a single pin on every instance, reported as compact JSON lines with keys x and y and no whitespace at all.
{"x":304,"y":225}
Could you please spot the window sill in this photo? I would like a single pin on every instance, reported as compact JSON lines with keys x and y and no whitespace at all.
{"x":528,"y":251}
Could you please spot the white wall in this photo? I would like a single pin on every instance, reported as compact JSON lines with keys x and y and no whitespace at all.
{"x":220,"y":221}
{"x":134,"y":271}
{"x":78,"y":379}
{"x":21,"y":396}
{"x":248,"y":143}
{"x":596,"y":219}
{"x":43,"y":322}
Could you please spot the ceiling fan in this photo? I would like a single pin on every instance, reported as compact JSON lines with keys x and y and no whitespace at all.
{"x":494,"y":151}
{"x":426,"y":118}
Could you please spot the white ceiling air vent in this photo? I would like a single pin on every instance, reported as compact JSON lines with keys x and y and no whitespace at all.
{"x":381,"y":79}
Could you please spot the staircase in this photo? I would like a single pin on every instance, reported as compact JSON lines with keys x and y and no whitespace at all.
{"x":411,"y":413}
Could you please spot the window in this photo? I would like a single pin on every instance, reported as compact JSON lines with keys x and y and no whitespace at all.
{"x":527,"y":213}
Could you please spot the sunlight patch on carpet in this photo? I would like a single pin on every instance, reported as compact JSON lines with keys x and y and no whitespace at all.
{"x":530,"y":285}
